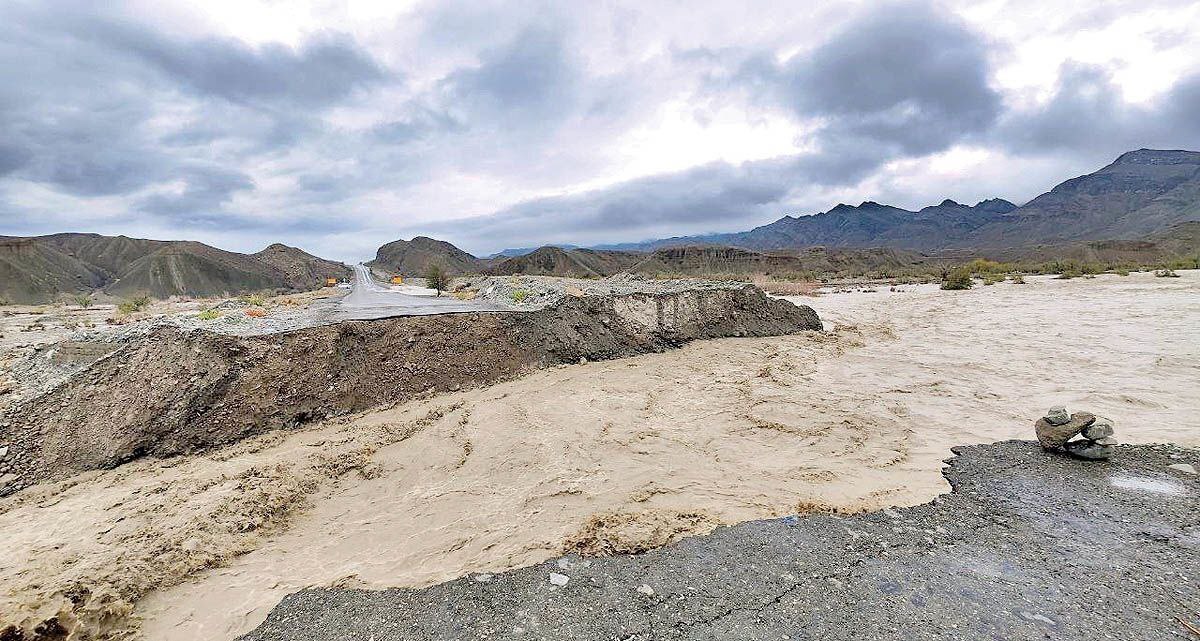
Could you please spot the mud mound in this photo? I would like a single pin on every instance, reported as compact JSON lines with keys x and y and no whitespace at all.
{"x":636,"y":532}
{"x":178,"y":391}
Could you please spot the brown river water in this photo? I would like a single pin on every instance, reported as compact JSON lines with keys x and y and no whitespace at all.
{"x":609,"y":456}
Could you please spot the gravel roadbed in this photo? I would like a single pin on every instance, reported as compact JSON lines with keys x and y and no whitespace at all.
{"x":1029,"y":545}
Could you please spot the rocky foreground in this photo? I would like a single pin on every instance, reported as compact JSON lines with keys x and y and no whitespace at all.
{"x":1029,"y":545}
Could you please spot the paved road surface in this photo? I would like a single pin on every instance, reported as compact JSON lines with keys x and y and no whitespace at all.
{"x":1029,"y":546}
{"x":370,"y":300}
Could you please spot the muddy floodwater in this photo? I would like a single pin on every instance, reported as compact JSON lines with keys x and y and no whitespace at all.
{"x":607,"y":457}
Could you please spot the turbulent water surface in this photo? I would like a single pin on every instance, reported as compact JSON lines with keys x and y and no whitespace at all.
{"x":617,"y":455}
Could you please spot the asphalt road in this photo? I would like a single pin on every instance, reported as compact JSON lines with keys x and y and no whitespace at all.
{"x":1030,"y":545}
{"x":370,"y":300}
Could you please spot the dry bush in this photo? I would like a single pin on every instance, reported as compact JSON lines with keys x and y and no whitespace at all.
{"x":787,"y":288}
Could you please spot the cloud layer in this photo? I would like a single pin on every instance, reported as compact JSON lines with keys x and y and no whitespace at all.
{"x":496,"y":125}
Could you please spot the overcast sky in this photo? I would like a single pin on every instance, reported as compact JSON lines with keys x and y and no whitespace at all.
{"x":337,"y":126}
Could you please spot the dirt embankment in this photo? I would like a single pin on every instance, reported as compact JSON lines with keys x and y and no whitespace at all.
{"x":177,"y":391}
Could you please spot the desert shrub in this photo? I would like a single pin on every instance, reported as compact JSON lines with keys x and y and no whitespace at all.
{"x":957,"y":278}
{"x":256,"y":312}
{"x":132,"y":305}
{"x":253,"y":300}
{"x":83,"y":300}
{"x":1017,"y":278}
{"x":1068,"y":269}
{"x":984,"y":266}
{"x":519,"y":295}
{"x":436,"y":278}
{"x":992,"y":278}
{"x":1165,"y":273}
{"x":1184,"y":263}
{"x":208,"y":314}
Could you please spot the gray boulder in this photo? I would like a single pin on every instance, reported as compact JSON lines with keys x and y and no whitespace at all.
{"x":1057,"y":415}
{"x":1098,"y":430}
{"x":1089,"y":450}
{"x":1053,"y":437}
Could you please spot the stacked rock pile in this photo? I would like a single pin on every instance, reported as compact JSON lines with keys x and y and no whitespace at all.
{"x":1056,"y":431}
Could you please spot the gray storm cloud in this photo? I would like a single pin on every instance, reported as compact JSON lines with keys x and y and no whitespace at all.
{"x":208,"y":134}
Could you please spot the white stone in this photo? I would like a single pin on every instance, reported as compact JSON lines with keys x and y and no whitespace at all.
{"x":646,"y":590}
{"x":1186,"y":468}
{"x":559,"y":579}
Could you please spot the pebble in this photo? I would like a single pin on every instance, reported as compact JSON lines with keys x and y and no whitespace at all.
{"x":646,"y":590}
{"x":559,"y":579}
{"x":1057,"y":415}
{"x":1186,"y":468}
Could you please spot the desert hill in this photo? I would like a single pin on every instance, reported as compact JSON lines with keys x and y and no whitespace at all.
{"x":413,"y":257}
{"x":44,"y":268}
{"x":301,"y":268}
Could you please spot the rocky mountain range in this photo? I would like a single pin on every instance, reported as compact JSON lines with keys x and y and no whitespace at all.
{"x":41,"y":269}
{"x":1130,"y":209}
{"x":1143,"y":206}
{"x":1141,"y":192}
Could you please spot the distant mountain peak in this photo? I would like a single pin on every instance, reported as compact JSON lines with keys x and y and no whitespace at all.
{"x":1158,"y":157}
{"x":949,"y":203}
{"x":998,"y":205}
{"x":844,"y":208}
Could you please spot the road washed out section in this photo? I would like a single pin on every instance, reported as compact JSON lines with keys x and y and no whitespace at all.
{"x":177,"y":391}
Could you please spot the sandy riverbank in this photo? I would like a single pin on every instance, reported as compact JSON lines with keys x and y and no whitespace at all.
{"x":612,"y":455}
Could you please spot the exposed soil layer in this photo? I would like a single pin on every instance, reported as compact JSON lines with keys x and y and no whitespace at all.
{"x":1029,"y":545}
{"x":178,"y":391}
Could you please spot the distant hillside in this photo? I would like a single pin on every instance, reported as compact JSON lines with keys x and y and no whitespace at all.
{"x":413,"y":257}
{"x":1178,"y":241}
{"x":704,"y":260}
{"x":521,"y":251}
{"x":578,"y":263}
{"x":43,"y":268}
{"x":302,"y":269}
{"x":869,"y":224}
{"x":1140,"y":193}
{"x":734,"y":261}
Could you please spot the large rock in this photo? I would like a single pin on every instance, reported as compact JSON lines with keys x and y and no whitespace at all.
{"x":1090,"y":450}
{"x":1053,"y":437}
{"x":1099,"y":429}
